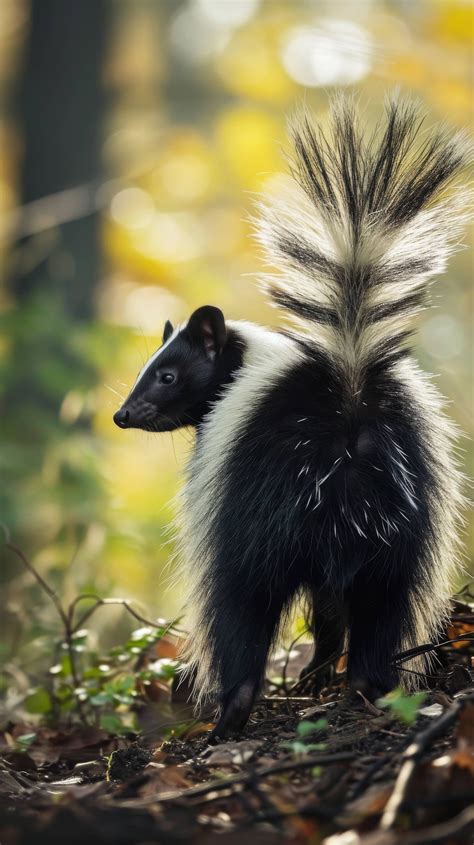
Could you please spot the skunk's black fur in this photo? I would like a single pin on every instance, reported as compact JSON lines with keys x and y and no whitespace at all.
{"x":323,"y":464}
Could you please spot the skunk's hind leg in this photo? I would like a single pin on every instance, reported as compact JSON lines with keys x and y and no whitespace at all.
{"x":328,"y":622}
{"x":380,"y":619}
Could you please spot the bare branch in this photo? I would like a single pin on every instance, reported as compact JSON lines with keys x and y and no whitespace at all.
{"x":100,"y":602}
{"x":39,"y":578}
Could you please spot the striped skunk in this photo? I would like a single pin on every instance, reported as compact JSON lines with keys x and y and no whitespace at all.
{"x":323,"y":463}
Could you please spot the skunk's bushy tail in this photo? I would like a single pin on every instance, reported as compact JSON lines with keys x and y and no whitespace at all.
{"x":369,"y":220}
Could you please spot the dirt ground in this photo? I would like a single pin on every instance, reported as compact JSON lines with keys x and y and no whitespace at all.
{"x":333,"y":769}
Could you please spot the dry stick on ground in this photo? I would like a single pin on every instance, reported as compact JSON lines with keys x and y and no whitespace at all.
{"x":422,"y":649}
{"x":412,"y":755}
{"x":216,"y":786}
{"x":440,"y":834}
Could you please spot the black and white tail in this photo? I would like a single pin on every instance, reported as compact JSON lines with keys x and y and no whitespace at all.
{"x":366,"y":223}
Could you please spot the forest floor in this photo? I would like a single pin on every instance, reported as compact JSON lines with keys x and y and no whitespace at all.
{"x":331,"y":770}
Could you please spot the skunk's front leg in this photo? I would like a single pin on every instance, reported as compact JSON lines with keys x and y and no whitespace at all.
{"x":236,"y":709}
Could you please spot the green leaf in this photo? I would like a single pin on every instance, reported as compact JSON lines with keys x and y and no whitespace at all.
{"x":165,"y":668}
{"x":301,"y":748}
{"x":296,"y":747}
{"x":141,"y":633}
{"x":111,"y":722}
{"x":123,"y":698}
{"x":80,"y":636}
{"x":305,"y":728}
{"x":64,"y":692}
{"x":101,"y":699}
{"x":39,"y":701}
{"x":125,"y":683}
{"x":62,"y":669}
{"x":404,"y":707}
{"x":25,"y":740}
{"x":92,"y":673}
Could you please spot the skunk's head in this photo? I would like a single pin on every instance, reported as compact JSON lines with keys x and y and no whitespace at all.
{"x":183,"y":376}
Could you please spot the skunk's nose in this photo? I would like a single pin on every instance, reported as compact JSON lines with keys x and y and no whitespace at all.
{"x":121,"y":418}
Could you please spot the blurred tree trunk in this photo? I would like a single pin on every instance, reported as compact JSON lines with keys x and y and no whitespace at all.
{"x":52,"y":278}
{"x":60,"y":105}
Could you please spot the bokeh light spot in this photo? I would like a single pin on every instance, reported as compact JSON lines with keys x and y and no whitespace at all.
{"x":195,"y":38}
{"x":132,"y":208}
{"x":171,"y":237}
{"x":228,"y":12}
{"x":334,"y":53}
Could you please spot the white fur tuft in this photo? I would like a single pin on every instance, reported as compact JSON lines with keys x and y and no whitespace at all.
{"x":364,"y":225}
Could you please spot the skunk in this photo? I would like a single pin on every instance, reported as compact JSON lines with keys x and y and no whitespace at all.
{"x":323,"y":465}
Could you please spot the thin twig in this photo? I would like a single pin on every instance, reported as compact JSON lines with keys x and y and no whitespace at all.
{"x":422,"y":649}
{"x":39,"y":578}
{"x":301,"y":683}
{"x":287,"y":660}
{"x":399,"y":658}
{"x":100,"y":602}
{"x":245,"y":780}
{"x":439,"y":834}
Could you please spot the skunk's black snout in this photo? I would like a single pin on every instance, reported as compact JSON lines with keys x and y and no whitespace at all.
{"x":122,"y":418}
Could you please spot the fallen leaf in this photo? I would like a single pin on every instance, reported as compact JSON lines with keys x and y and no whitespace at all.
{"x":457,"y":629}
{"x":198,"y":730}
{"x":164,"y":778}
{"x":431,"y":710}
{"x":232,"y":753}
{"x":369,"y":805}
{"x":170,"y":645}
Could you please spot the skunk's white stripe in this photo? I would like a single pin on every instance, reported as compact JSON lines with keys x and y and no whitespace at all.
{"x":431,"y":602}
{"x":156,"y":355}
{"x":267,"y":358}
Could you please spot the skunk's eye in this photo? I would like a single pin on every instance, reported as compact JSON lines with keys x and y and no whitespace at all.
{"x":167,"y":378}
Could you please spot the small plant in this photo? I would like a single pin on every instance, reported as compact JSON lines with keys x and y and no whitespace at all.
{"x":303,"y":731}
{"x":93,"y":687}
{"x":404,"y":707}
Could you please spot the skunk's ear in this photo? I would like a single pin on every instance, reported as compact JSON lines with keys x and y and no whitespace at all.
{"x":167,"y":331}
{"x":207,"y":327}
